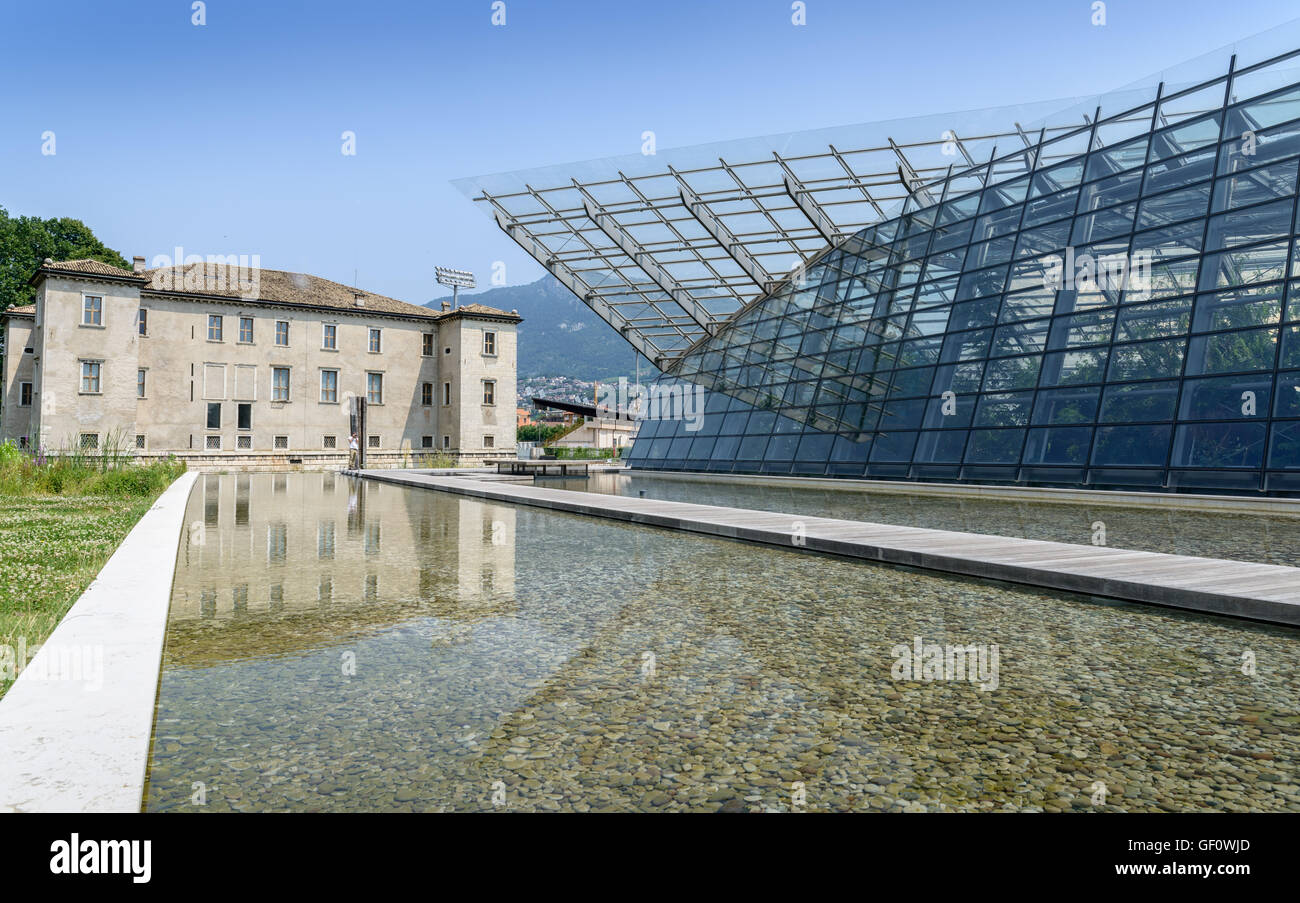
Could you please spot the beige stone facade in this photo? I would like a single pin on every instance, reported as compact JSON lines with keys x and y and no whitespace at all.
{"x":150,"y":362}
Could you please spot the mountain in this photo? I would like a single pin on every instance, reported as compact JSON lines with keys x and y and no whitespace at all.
{"x":560,"y":336}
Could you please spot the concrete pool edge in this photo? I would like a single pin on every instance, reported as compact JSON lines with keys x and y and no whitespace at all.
{"x":1259,"y":592}
{"x":66,"y":745}
{"x":1111,"y":498}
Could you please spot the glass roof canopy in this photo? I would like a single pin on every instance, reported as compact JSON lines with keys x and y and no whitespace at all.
{"x":667,"y":247}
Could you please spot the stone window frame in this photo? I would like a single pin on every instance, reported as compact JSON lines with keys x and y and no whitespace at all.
{"x":329,"y":337}
{"x":98,"y":310}
{"x":323,"y":399}
{"x":31,"y":393}
{"x":489,"y":392}
{"x":220,"y":323}
{"x":288,"y":385}
{"x":250,"y":340}
{"x":490,"y":338}
{"x":98,"y":364}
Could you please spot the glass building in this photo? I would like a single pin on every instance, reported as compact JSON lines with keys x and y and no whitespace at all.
{"x":1110,"y":299}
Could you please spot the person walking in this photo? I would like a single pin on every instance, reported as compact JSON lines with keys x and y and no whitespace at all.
{"x":353,"y":449}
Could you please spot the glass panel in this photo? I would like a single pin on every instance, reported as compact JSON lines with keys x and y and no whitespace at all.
{"x":1135,"y":446}
{"x":1219,"y":445}
{"x":994,"y":446}
{"x":1063,"y":406}
{"x":1232,"y":352}
{"x":1148,"y":360}
{"x":1264,"y":223}
{"x":1058,"y":446}
{"x":1138,"y":402}
{"x":1226,"y":397}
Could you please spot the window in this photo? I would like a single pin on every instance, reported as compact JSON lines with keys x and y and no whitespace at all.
{"x":90,"y":441}
{"x":372,"y":442}
{"x":282,"y":333}
{"x":446,"y":393}
{"x":25,"y":395}
{"x":328,"y":441}
{"x":426,"y":442}
{"x":281,"y":442}
{"x":144,"y":321}
{"x":214,"y":328}
{"x":214,"y":415}
{"x":375,"y":340}
{"x":446,"y":442}
{"x":375,"y":388}
{"x":244,"y":416}
{"x":139,"y":441}
{"x":246,"y":330}
{"x":244,"y":442}
{"x":489,"y":391}
{"x":427,"y":348}
{"x":489,"y":441}
{"x":329,"y":386}
{"x":24,"y":442}
{"x":279,"y":383}
{"x":92,"y":312}
{"x":426,"y":394}
{"x":90,"y":377}
{"x":212,"y":443}
{"x":489,"y":343}
{"x":329,"y":338}
{"x":139,"y":383}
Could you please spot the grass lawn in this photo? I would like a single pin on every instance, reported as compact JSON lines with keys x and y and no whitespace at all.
{"x":50,"y":550}
{"x":60,"y":522}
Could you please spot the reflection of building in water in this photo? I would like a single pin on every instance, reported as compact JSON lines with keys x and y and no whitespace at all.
{"x":257,"y":543}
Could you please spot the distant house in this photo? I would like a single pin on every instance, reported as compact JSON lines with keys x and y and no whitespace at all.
{"x":206,"y":362}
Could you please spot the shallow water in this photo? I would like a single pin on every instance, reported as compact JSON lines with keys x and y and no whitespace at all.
{"x":337,"y":645}
{"x":1267,"y":539}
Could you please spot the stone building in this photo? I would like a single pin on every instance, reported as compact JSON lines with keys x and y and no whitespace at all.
{"x":229,"y":366}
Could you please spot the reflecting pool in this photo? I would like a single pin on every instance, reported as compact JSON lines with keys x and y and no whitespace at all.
{"x":336,"y":645}
{"x":1270,"y":539}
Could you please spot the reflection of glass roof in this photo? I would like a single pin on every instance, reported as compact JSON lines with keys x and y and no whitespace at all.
{"x":665,"y":247}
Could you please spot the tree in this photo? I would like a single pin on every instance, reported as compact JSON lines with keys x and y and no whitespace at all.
{"x":26,"y":241}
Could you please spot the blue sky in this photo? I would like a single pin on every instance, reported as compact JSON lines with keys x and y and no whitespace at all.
{"x":226,"y":138}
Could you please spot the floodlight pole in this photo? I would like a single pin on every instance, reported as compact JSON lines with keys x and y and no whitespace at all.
{"x":457,"y":279}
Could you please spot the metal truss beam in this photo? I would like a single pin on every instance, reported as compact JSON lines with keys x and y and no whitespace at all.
{"x":658,"y":275}
{"x":573,"y":283}
{"x":803,"y":200}
{"x":723,"y":236}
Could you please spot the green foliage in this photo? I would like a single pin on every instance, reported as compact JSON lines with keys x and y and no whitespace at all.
{"x":437,"y":459}
{"x":73,"y":472}
{"x":581,"y":454}
{"x":25,"y":241}
{"x":538,"y":432}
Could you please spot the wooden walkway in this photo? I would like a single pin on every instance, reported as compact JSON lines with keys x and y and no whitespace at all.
{"x":1262,"y":592}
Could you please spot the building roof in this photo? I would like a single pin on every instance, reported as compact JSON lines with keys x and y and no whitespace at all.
{"x":211,"y":281}
{"x":586,"y":410}
{"x":214,"y":280}
{"x":27,"y":310}
{"x":83,"y":266}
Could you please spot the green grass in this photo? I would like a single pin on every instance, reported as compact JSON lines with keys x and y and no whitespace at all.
{"x":60,"y":520}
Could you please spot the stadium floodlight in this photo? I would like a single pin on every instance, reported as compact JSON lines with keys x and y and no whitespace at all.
{"x":457,"y":279}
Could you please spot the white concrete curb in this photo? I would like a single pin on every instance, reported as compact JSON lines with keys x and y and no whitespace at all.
{"x":65,"y":745}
